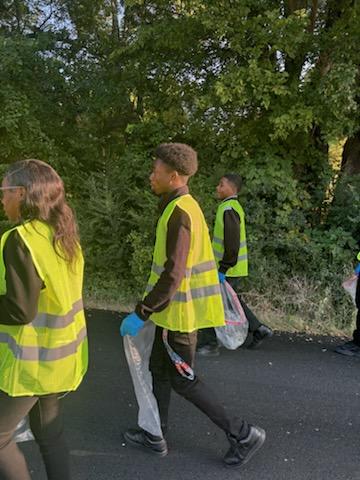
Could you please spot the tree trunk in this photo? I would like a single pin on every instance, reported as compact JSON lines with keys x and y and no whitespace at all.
{"x":345,"y":207}
{"x":350,"y":163}
{"x":115,"y":19}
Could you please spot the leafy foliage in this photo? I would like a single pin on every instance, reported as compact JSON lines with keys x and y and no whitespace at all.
{"x":257,"y":87}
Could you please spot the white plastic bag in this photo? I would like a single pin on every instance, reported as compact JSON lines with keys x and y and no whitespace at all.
{"x":349,"y":285}
{"x":234,"y":333}
{"x":23,"y":432}
{"x":137,"y":352}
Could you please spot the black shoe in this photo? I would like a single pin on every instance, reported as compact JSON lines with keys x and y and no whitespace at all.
{"x":259,"y":335}
{"x":141,"y":438}
{"x":209,"y":351}
{"x":241,"y":451}
{"x":350,"y":349}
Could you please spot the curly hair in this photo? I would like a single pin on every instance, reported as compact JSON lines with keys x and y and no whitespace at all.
{"x":178,"y":156}
{"x":44,"y":200}
{"x":235,"y":179}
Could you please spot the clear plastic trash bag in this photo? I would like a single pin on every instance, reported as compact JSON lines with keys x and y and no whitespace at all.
{"x":137,"y":352}
{"x":349,"y":285}
{"x":234,"y":333}
{"x":23,"y":432}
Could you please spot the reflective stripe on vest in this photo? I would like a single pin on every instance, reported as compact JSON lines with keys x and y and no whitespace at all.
{"x":189,"y":295}
{"x":220,"y":241}
{"x":241,"y":267}
{"x":220,"y":255}
{"x":58,"y":321}
{"x":196,"y":269}
{"x":197,"y":303}
{"x":42,"y":354}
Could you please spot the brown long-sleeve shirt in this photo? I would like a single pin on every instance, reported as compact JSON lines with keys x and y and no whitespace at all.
{"x":177,"y":250}
{"x":23,"y":285}
{"x":231,"y":238}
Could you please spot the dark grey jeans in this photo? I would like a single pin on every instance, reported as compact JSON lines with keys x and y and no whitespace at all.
{"x":47,"y":427}
{"x":166,"y":377}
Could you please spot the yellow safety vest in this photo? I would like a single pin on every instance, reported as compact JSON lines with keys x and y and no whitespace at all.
{"x":197,"y":302}
{"x":50,"y":354}
{"x":241,"y":267}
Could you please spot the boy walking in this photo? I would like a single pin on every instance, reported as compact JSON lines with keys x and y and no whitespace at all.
{"x":182,"y":296}
{"x":230,"y":250}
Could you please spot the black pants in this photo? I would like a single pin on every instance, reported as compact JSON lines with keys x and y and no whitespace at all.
{"x":356,"y":334}
{"x":47,"y":427}
{"x":165,"y":377}
{"x":208,"y":335}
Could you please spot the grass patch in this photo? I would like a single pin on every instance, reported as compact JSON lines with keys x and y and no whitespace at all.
{"x":299,"y":306}
{"x":108,"y":295}
{"x":304,"y":306}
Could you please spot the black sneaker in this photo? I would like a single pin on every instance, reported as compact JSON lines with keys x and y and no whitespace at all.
{"x":140,"y":438}
{"x":259,"y":335}
{"x":241,"y":451}
{"x":349,"y":348}
{"x":209,"y":351}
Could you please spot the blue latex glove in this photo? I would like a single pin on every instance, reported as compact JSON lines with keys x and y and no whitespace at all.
{"x":357,"y":269}
{"x":222,"y":277}
{"x":131,"y":325}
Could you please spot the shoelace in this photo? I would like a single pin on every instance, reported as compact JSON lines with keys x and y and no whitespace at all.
{"x":181,"y":366}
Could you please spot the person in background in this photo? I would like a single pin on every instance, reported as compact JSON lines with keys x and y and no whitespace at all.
{"x":183,"y":295}
{"x":230,"y":249}
{"x":43,"y":340}
{"x":352,"y":348}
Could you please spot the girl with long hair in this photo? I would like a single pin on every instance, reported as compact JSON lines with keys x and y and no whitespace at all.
{"x":43,"y":342}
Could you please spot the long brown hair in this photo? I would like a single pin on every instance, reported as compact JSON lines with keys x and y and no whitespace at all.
{"x":44,"y":200}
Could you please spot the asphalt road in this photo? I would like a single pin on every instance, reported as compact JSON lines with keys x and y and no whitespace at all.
{"x":304,"y":395}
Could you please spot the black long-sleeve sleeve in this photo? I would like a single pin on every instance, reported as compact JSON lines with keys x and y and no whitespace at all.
{"x":231,"y":240}
{"x":18,"y":306}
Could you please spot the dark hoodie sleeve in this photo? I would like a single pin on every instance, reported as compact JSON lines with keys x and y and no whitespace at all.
{"x":177,"y":251}
{"x":231,"y":240}
{"x":19,"y":304}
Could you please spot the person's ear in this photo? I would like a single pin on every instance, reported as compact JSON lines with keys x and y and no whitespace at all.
{"x":174,"y":176}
